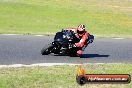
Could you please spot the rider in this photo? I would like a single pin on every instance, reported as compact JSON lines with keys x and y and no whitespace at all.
{"x":82,"y":35}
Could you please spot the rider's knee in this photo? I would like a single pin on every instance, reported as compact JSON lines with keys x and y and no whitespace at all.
{"x":79,"y":53}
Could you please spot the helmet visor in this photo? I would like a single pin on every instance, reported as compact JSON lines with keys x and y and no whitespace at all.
{"x":80,"y":32}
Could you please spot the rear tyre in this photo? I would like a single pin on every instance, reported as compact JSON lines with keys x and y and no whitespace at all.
{"x":47,"y":49}
{"x":73,"y":52}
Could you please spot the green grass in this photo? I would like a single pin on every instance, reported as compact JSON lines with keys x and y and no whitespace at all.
{"x":59,"y":76}
{"x":112,"y":17}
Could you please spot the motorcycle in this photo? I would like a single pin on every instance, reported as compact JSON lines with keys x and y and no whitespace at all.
{"x":63,"y":44}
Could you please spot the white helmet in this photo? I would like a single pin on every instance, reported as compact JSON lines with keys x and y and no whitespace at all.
{"x":81,"y":29}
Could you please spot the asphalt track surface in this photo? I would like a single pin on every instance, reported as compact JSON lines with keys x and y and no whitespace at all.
{"x":25,"y":49}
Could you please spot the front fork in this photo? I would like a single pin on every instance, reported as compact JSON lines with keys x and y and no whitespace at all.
{"x":56,"y":47}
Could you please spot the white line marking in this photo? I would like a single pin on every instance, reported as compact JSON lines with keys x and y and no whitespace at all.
{"x":10,"y":34}
{"x":18,"y":34}
{"x":119,"y":38}
{"x":39,"y":35}
{"x":47,"y":64}
{"x":37,"y":64}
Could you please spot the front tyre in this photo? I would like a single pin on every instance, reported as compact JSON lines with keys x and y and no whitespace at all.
{"x":47,"y":49}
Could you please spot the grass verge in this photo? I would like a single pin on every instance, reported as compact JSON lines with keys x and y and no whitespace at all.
{"x":59,"y":76}
{"x":102,"y":17}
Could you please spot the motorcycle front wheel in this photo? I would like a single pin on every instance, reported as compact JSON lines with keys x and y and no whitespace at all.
{"x":47,"y":49}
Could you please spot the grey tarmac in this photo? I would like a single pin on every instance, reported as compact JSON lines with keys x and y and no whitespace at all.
{"x":25,"y":49}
